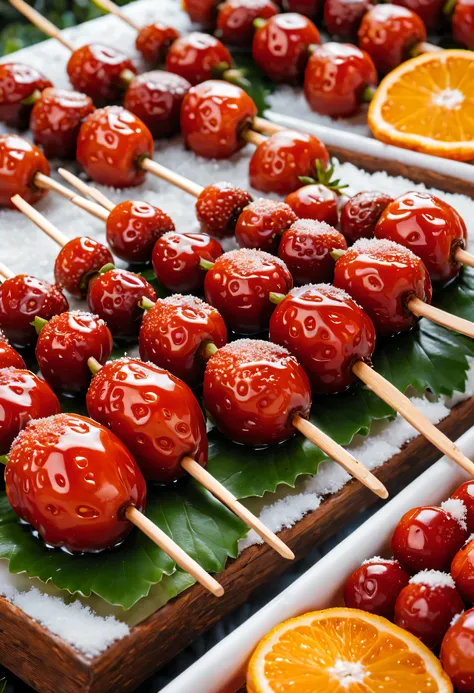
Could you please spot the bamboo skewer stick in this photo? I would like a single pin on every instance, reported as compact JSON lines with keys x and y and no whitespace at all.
{"x":174,"y":178}
{"x":86,"y":190}
{"x":5,"y":272}
{"x":253,"y":137}
{"x":173,"y":550}
{"x":96,"y":210}
{"x":41,"y":22}
{"x":40,"y":221}
{"x":112,"y":8}
{"x":441,"y":317}
{"x":400,"y":402}
{"x":463,"y":256}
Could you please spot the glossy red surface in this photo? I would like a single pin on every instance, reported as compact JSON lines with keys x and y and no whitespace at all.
{"x":9,"y":357}
{"x":343,"y":18}
{"x":457,"y":653}
{"x":427,"y":538}
{"x":176,"y":258}
{"x":462,"y":571}
{"x":22,"y":299}
{"x":77,"y":261}
{"x":429,"y":11}
{"x":114,"y":297}
{"x":252,"y":390}
{"x":428,"y":226}
{"x":132,"y":229}
{"x":239,"y":284}
{"x":154,"y":40}
{"x":388,"y":33}
{"x":306,"y":250}
{"x":17,"y":83}
{"x":280,"y":48}
{"x":218,"y":208}
{"x":466,"y":493}
{"x":361,"y":213}
{"x":278,"y":163}
{"x":154,"y":414}
{"x":20,"y":161}
{"x":335,"y":78}
{"x":72,"y":480}
{"x":65,"y":344}
{"x":463,"y":23}
{"x":235,"y":19}
{"x":315,"y":201}
{"x":427,"y":611}
{"x":195,"y":57}
{"x":96,"y":70}
{"x":327,"y":332}
{"x":375,"y":586}
{"x":23,"y":396}
{"x":111,"y":143}
{"x":56,"y":120}
{"x":382,"y":277}
{"x":261,"y":224}
{"x":310,"y":8}
{"x":156,"y":98}
{"x":213,"y":117}
{"x":173,"y":332}
{"x":201,"y":11}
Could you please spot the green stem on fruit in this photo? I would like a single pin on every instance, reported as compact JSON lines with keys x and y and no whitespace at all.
{"x":32,"y":98}
{"x":207,"y":350}
{"x":368,"y":94}
{"x":126,"y":77}
{"x":275,"y":297}
{"x":259,"y":23}
{"x":324,"y":176}
{"x":38,"y":323}
{"x":237,"y":77}
{"x":336,"y":254}
{"x":205,"y":264}
{"x":448,"y":8}
{"x":219,"y":69}
{"x":4,"y":460}
{"x":145,"y":304}
{"x":106,"y":268}
{"x":94,"y":365}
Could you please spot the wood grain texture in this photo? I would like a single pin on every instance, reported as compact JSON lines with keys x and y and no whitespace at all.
{"x":50,"y":665}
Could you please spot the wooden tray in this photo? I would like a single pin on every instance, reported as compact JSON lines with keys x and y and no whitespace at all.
{"x":27,"y":649}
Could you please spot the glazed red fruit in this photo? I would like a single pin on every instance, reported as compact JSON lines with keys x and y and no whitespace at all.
{"x":22,"y":299}
{"x":132,"y":229}
{"x":383,"y":277}
{"x":65,"y":344}
{"x":278,"y":163}
{"x":77,"y":262}
{"x":218,"y":208}
{"x":214,"y":116}
{"x":239,"y":285}
{"x":310,"y":8}
{"x":261,"y":224}
{"x":466,"y":493}
{"x":457,"y":653}
{"x":19,"y":86}
{"x":361,"y":213}
{"x":462,"y":571}
{"x":427,"y":606}
{"x":153,"y":42}
{"x":20,"y":161}
{"x":335,"y":79}
{"x":306,"y":250}
{"x":327,"y":332}
{"x":280,"y":47}
{"x":343,"y":17}
{"x":72,"y":480}
{"x":175,"y":330}
{"x":388,"y":33}
{"x":429,"y":11}
{"x":462,"y":23}
{"x":98,"y":71}
{"x":375,"y":586}
{"x":235,"y":19}
{"x":252,"y":391}
{"x":114,"y":296}
{"x":23,"y":396}
{"x":196,"y":57}
{"x":176,"y":260}
{"x":111,"y":143}
{"x":429,"y":227}
{"x":427,"y":538}
{"x":201,"y":11}
{"x":9,"y":358}
{"x":154,"y":413}
{"x":315,"y":201}
{"x":56,"y":120}
{"x":156,"y":98}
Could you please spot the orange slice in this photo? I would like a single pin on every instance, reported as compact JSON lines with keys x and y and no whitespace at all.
{"x":427,"y":104}
{"x":343,"y":651}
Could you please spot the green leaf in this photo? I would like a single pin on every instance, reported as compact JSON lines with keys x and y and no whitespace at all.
{"x":256,"y":84}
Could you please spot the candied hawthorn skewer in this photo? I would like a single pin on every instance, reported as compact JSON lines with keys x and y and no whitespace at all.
{"x":20,"y":87}
{"x":393,"y":286}
{"x":235,"y":19}
{"x":258,"y":394}
{"x":334,"y":340}
{"x":170,"y":440}
{"x":94,"y":516}
{"x":457,"y":652}
{"x":375,"y":586}
{"x":9,"y":357}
